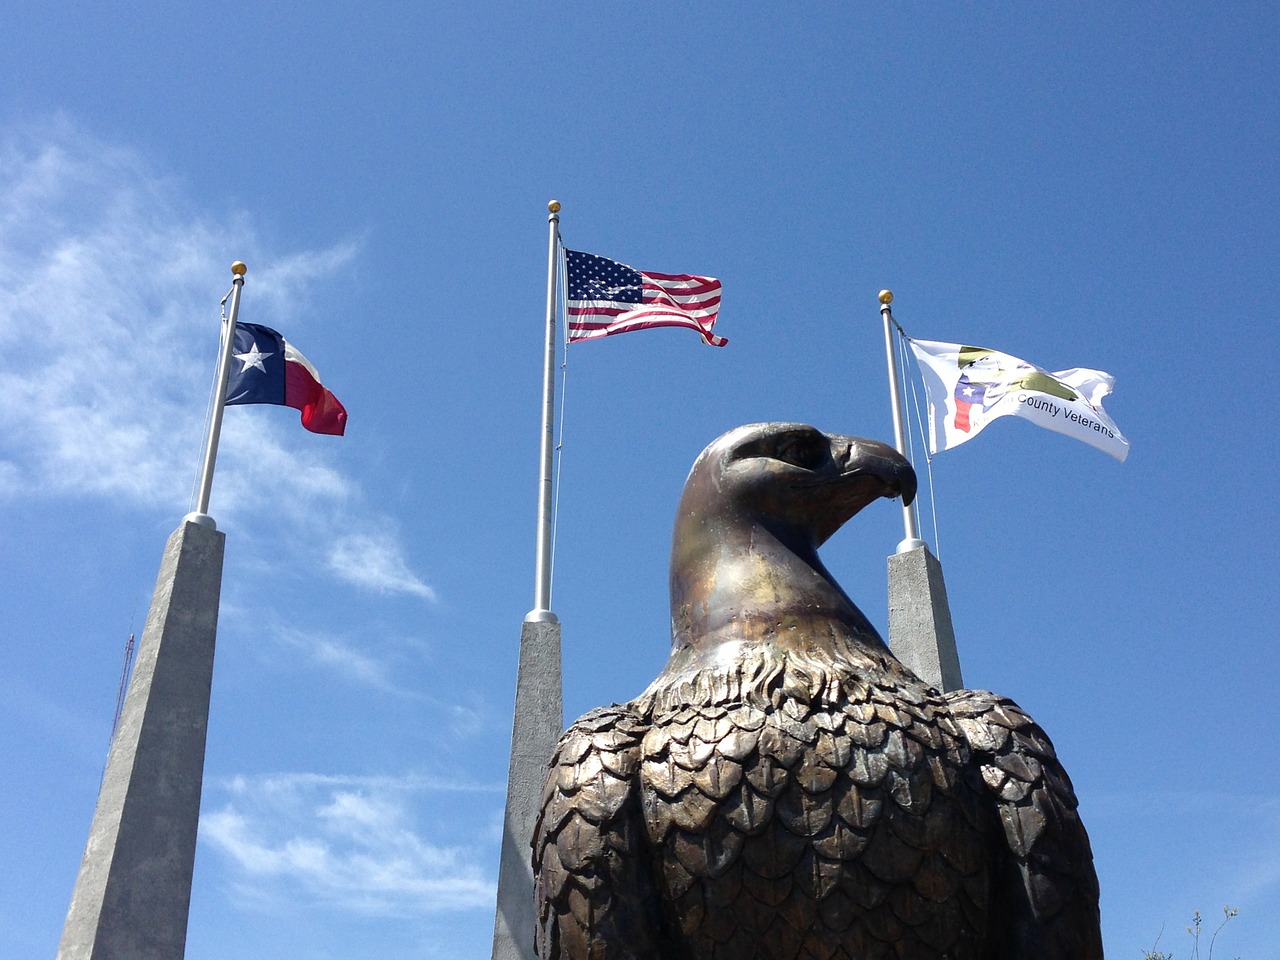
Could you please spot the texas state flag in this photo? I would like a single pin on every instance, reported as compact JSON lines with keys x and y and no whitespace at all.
{"x":266,"y":368}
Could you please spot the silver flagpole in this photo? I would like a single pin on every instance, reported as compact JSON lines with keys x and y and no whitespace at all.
{"x":912,"y":538}
{"x":539,"y":711}
{"x":201,"y":513}
{"x":541,"y":611}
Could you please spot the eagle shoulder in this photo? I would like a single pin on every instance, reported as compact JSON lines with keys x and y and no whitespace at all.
{"x":592,"y":891}
{"x":1046,"y":879}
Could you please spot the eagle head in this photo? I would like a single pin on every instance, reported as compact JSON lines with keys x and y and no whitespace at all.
{"x":793,"y":479}
{"x":758,"y":503}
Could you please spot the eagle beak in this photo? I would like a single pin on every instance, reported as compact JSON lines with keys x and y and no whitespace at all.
{"x":872,"y":458}
{"x":865,"y":471}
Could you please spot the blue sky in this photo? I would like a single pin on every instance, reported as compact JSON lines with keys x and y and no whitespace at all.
{"x":1074,"y":185}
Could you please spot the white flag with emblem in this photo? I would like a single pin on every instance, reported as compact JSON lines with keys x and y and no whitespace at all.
{"x":967,"y":387}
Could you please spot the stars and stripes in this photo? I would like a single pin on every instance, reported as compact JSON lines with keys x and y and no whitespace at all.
{"x":605,"y":297}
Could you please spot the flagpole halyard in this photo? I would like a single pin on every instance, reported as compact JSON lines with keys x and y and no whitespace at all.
{"x":201,"y":513}
{"x":911,"y":539}
{"x":542,"y":569}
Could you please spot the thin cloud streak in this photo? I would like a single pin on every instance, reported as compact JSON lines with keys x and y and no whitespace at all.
{"x":1260,"y":870}
{"x":334,"y":654}
{"x":286,"y":781}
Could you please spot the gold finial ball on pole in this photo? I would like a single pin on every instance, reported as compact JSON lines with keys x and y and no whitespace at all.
{"x":886,"y":297}
{"x":554,"y":206}
{"x":239,"y":269}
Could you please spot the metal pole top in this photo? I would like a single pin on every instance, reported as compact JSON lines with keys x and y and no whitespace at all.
{"x":554,"y":206}
{"x":238,"y":268}
{"x":886,"y":297}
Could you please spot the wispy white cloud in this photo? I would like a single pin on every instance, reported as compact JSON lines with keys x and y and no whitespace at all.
{"x":344,"y":842}
{"x":375,"y":561}
{"x":109,"y":329}
{"x":97,"y":266}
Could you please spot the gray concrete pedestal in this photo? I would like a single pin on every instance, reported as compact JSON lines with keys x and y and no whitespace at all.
{"x":535,"y":730}
{"x":133,"y":890}
{"x":920,"y":631}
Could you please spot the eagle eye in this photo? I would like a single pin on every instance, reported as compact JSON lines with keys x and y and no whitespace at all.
{"x":805,"y":450}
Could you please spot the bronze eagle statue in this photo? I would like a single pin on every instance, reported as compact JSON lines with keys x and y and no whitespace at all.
{"x":786,"y":788}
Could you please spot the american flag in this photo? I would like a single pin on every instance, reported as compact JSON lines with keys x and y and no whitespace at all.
{"x":606,"y":297}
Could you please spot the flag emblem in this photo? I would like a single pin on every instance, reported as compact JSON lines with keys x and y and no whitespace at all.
{"x":266,"y":368}
{"x":605,"y":297}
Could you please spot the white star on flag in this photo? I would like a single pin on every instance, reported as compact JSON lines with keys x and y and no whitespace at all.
{"x":253,"y":358}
